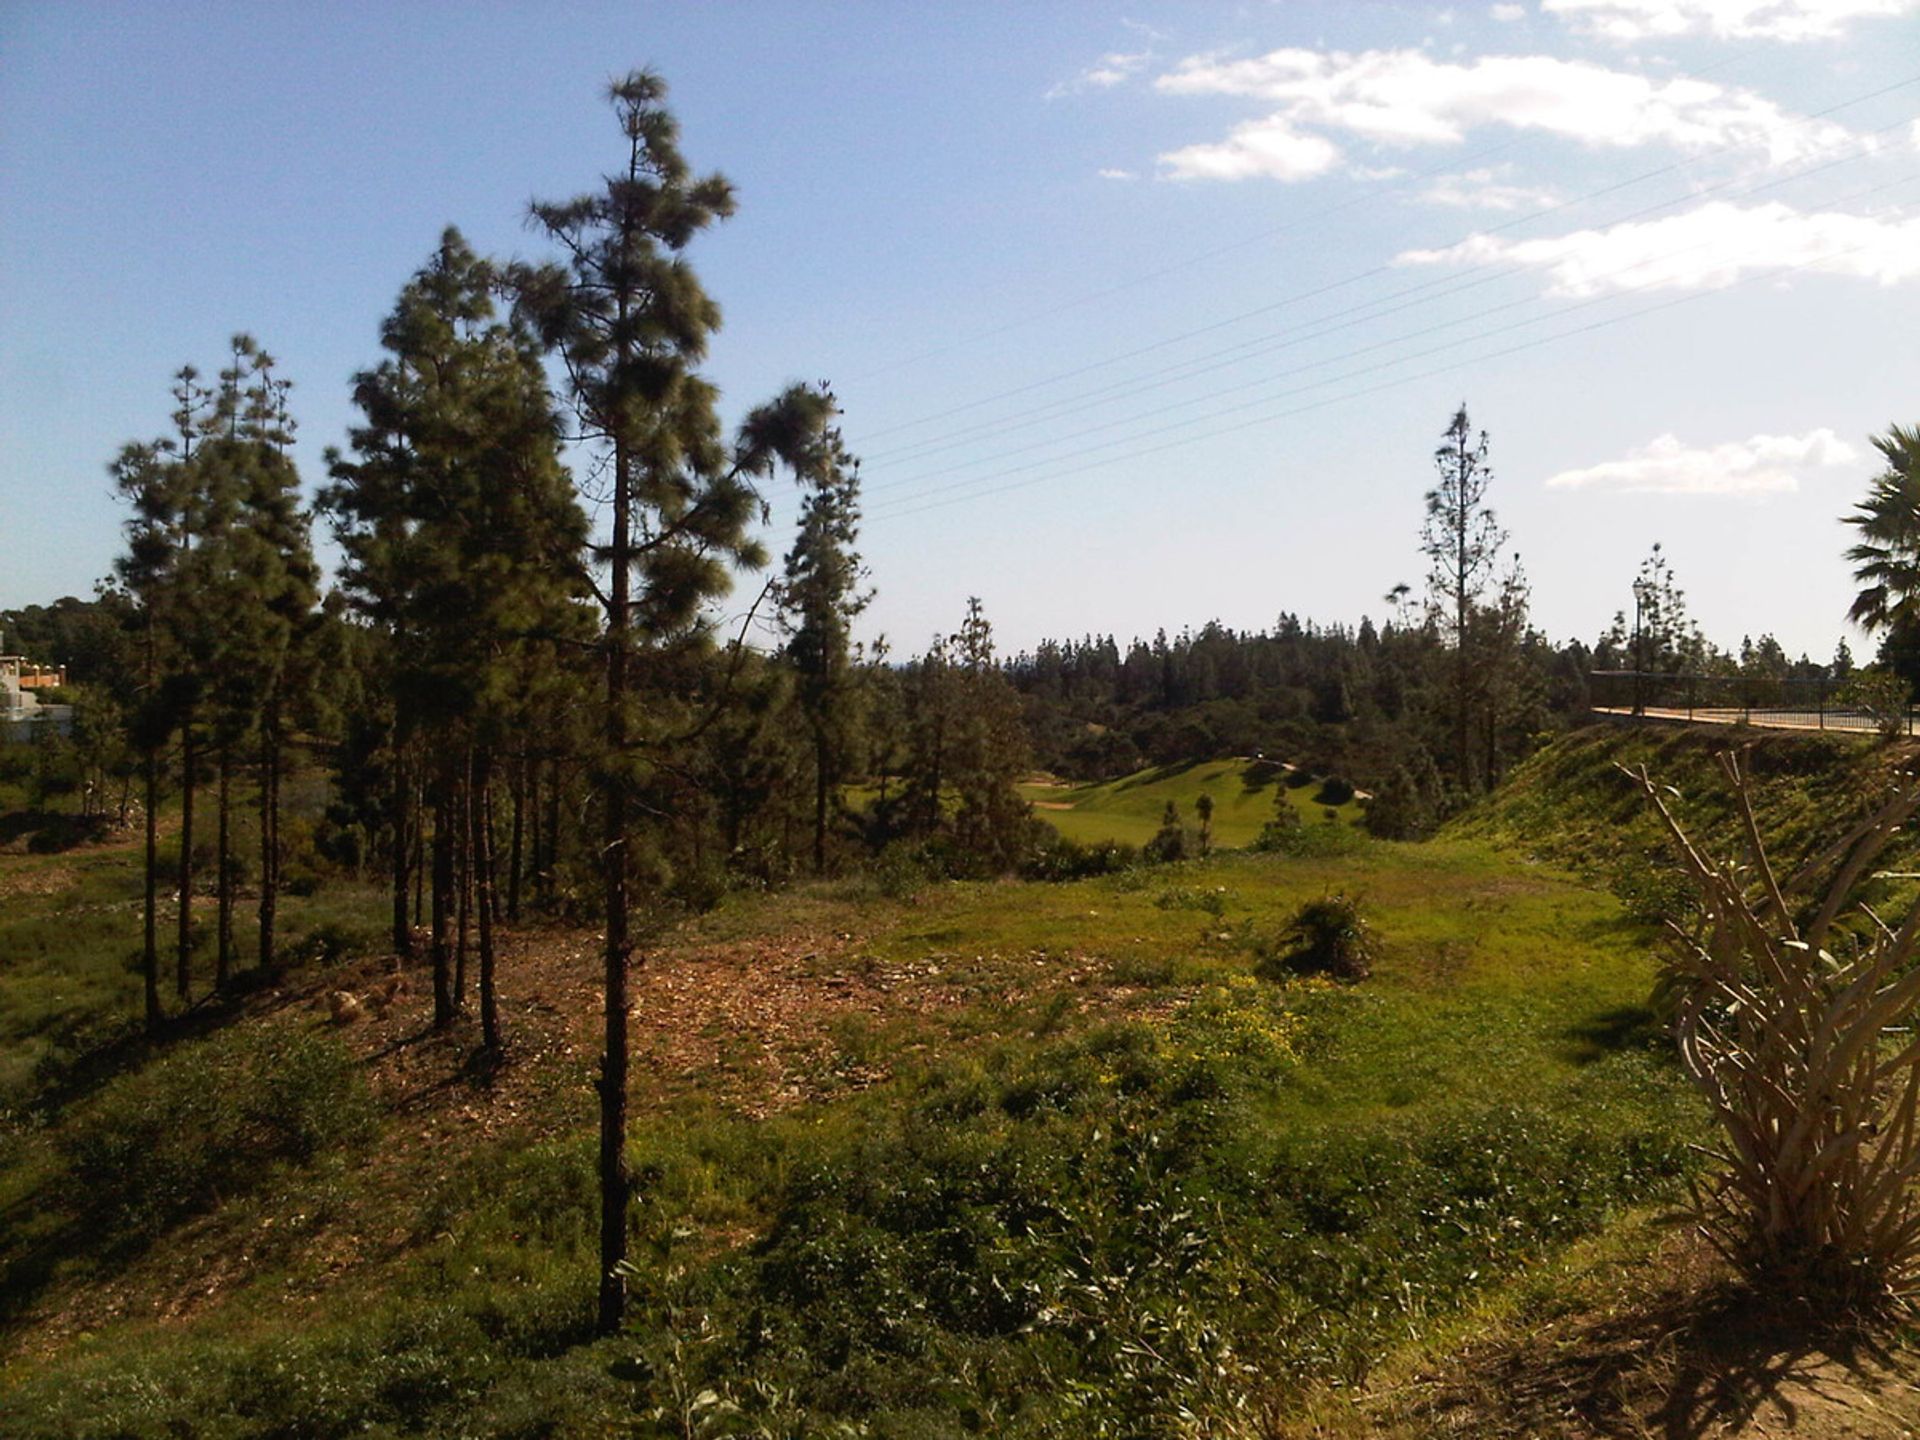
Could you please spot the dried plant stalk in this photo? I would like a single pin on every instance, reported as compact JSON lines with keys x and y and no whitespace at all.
{"x":1794,"y":1011}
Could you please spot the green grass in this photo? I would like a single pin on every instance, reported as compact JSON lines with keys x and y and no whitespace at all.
{"x":1081,"y":1173}
{"x":1129,"y":809}
{"x":1571,"y":805}
{"x":1105,"y":1176}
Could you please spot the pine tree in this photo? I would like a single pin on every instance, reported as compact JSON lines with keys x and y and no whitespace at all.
{"x":145,"y":475}
{"x":630,"y":321}
{"x":460,"y":530}
{"x":819,"y":600}
{"x":987,"y":751}
{"x":1462,"y":541}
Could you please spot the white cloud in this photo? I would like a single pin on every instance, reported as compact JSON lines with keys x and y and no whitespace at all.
{"x":1112,"y":174}
{"x":1271,"y":148}
{"x":1507,"y":14}
{"x":1790,"y":20}
{"x":1405,"y":98}
{"x":1706,"y":248}
{"x":1485,"y":189}
{"x":1105,"y":73}
{"x":1375,"y":172}
{"x":1762,"y":465}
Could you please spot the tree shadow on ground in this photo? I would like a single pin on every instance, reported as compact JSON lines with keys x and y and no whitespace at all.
{"x":49,"y":832}
{"x":1696,"y":1366}
{"x":1259,"y":774}
{"x":1159,"y":773}
{"x":1694,"y":1353}
{"x":1609,"y":1032}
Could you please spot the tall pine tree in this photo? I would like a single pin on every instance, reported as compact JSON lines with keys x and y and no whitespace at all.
{"x":630,"y":322}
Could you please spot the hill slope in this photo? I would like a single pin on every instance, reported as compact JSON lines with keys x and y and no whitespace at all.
{"x":1129,"y":809}
{"x":900,"y":1160}
{"x":1571,"y":804}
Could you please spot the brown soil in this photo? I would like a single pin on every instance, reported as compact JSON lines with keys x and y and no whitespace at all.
{"x":755,"y":1025}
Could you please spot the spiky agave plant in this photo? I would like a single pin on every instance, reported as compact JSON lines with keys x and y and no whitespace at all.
{"x":1794,"y":1004}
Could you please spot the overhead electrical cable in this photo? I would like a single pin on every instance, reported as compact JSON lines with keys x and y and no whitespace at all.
{"x":910,"y":505}
{"x":1672,"y":167}
{"x":1273,"y":342}
{"x":1141,"y":387}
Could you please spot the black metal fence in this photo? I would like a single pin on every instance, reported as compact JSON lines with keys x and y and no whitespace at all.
{"x":1779,"y":702}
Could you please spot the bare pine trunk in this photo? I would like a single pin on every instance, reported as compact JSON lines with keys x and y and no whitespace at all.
{"x":402,"y":848}
{"x":463,"y":872}
{"x":616,"y":1183}
{"x":483,"y":869}
{"x":483,"y":801}
{"x":150,"y":947}
{"x":184,"y":951}
{"x":820,"y":761}
{"x":269,"y":830}
{"x":223,"y":963}
{"x":419,"y":855}
{"x":550,"y":876}
{"x":513,"y":843}
{"x":442,"y":895}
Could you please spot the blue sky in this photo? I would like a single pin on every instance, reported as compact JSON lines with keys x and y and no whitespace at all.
{"x":1141,"y":315}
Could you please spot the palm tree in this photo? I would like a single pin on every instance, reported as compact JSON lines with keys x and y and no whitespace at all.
{"x":1886,"y":561}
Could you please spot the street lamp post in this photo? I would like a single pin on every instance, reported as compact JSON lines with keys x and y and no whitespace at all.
{"x":1642,"y":593}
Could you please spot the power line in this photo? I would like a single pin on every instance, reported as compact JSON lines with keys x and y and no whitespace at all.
{"x":1277,"y":340}
{"x":1667,"y":169}
{"x":1283,"y":340}
{"x":1779,"y":271}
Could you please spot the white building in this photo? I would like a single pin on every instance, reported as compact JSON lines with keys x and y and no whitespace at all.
{"x":21,"y":710}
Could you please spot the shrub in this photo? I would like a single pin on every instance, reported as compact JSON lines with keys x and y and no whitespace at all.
{"x":1280,"y":833}
{"x":1328,"y":936}
{"x":209,"y":1120}
{"x":1334,"y":791}
{"x":330,"y":942}
{"x":1653,"y":894}
{"x":899,"y":870}
{"x":1058,"y":858}
{"x":1882,"y":696}
{"x":1170,"y":841}
{"x":1787,"y":1041}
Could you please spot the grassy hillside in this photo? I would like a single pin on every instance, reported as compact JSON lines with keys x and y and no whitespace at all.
{"x":1570,"y":803}
{"x":999,"y":1158}
{"x":1129,"y":809}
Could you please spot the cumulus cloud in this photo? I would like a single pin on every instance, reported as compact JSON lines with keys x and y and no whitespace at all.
{"x":1485,"y":189}
{"x":1707,"y":248}
{"x":1406,"y":98}
{"x":1105,"y":73}
{"x":1789,"y":20}
{"x":1115,"y":174}
{"x":1506,"y":14}
{"x":1271,"y":148}
{"x":1762,"y":465}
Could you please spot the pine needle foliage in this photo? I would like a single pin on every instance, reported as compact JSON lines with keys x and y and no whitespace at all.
{"x":1794,"y":1011}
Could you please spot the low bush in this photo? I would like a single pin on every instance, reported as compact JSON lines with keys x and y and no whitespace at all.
{"x":1058,"y":858}
{"x":1098,"y":1239}
{"x":209,"y":1120}
{"x":1328,"y":936}
{"x":1334,"y":791}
